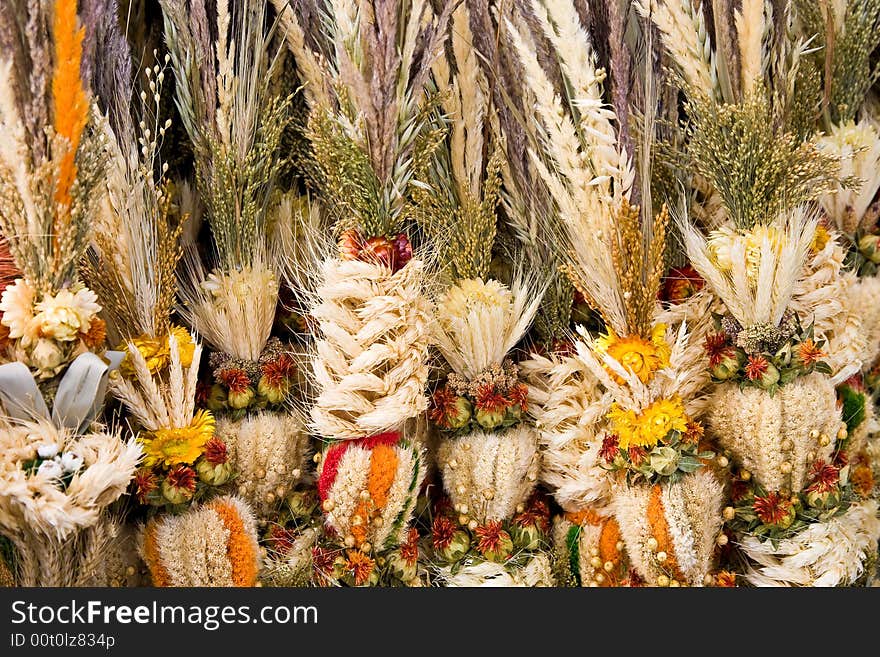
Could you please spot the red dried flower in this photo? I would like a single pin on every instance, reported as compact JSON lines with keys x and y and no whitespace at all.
{"x":278,"y":370}
{"x":717,"y":348}
{"x":489,"y":400}
{"x":490,"y":537}
{"x":442,"y":402}
{"x":322,"y":561}
{"x":442,"y":530}
{"x":519,"y":394}
{"x":215,"y":451}
{"x":681,"y":283}
{"x":235,"y":379}
{"x":182,"y":477}
{"x":824,"y":477}
{"x":402,"y":251}
{"x":610,"y":449}
{"x":756,"y":367}
{"x":809,"y":353}
{"x":856,"y":382}
{"x":637,"y":454}
{"x":203,"y":391}
{"x":146,"y":483}
{"x":632,"y":580}
{"x":409,"y":549}
{"x":281,"y":539}
{"x":739,"y":489}
{"x":378,"y":250}
{"x":772,"y":508}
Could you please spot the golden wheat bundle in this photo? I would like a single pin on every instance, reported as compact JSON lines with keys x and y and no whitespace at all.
{"x":645,"y":377}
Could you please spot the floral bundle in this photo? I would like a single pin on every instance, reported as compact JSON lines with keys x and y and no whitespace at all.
{"x":236,"y":117}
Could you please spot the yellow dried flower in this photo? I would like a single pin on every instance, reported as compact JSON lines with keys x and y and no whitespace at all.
{"x":181,"y":445}
{"x":651,"y":426}
{"x":639,"y":356}
{"x":157,"y":352}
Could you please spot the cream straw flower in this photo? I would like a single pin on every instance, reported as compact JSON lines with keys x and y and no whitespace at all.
{"x":17,"y":306}
{"x":67,"y":314}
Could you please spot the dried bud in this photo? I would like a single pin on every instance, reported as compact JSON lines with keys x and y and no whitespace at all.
{"x":728,"y":365}
{"x":457,"y":547}
{"x":490,"y":419}
{"x":869,"y":246}
{"x":213,"y":474}
{"x":216,"y":398}
{"x":404,"y":570}
{"x":274,"y":394}
{"x":242,"y":399}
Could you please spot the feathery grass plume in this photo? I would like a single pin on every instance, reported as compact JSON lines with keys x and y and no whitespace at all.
{"x":136,"y":245}
{"x":224,"y":64}
{"x":846,"y":32}
{"x":754,"y":273}
{"x":684,"y":32}
{"x":366,"y":136}
{"x":577,"y":157}
{"x":47,"y":173}
{"x":456,"y":199}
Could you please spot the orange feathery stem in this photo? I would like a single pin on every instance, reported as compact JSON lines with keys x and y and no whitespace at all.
{"x":70,"y":104}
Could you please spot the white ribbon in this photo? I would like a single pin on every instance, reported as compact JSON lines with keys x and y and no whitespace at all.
{"x":79,"y":397}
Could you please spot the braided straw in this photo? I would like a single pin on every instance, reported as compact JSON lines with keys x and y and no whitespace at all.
{"x":371,"y":361}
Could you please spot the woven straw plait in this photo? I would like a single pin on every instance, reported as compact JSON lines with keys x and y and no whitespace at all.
{"x":370,"y":363}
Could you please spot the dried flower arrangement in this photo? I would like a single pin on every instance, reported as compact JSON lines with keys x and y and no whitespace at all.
{"x":568,"y":293}
{"x":235,"y":120}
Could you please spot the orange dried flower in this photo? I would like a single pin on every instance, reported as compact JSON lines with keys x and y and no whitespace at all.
{"x":725,"y":579}
{"x":491,"y":537}
{"x":809,"y":353}
{"x":359,"y":565}
{"x":756,"y":367}
{"x":96,"y":335}
{"x":409,"y":550}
